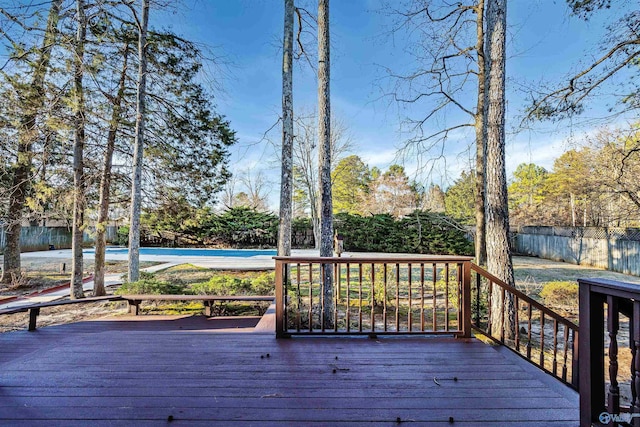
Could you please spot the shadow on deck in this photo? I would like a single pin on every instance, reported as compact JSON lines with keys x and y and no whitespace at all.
{"x":199,"y":371}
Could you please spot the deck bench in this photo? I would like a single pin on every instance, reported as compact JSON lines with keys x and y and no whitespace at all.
{"x":208,"y":300}
{"x":34,"y":309}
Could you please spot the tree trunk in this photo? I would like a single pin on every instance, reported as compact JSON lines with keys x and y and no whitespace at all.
{"x":325,"y":205}
{"x":286,"y":176}
{"x":572,"y":201}
{"x":136,"y":179}
{"x":497,"y":212}
{"x":27,"y":134}
{"x":78,"y":160}
{"x":481,"y":237}
{"x":105,"y":181}
{"x":315,"y":226}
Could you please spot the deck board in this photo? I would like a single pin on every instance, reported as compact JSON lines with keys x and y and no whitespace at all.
{"x":199,"y":372}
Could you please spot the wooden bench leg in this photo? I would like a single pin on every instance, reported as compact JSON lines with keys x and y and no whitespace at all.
{"x":134,"y":307}
{"x":33,"y":316}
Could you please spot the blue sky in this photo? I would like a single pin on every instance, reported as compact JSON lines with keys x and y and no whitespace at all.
{"x":545,"y":43}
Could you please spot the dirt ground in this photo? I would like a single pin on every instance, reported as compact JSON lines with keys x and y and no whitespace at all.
{"x":44,"y":273}
{"x":531,"y":271}
{"x":531,"y":275}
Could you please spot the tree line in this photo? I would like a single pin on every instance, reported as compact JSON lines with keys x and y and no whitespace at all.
{"x":418,"y":231}
{"x":594,"y":184}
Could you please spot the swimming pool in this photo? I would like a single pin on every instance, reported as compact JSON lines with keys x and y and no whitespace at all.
{"x":235,"y":253}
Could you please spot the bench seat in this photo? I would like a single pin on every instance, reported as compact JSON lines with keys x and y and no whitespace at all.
{"x":34,"y":309}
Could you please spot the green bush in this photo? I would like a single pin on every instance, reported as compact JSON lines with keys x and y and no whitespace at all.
{"x":123,"y":235}
{"x":263,"y":284}
{"x":420,"y":232}
{"x":560,"y":293}
{"x":152,"y":286}
{"x":222,"y":285}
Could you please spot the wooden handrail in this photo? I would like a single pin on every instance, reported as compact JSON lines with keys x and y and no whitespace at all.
{"x":524,"y":297}
{"x":391,"y":259}
{"x":562,"y":342}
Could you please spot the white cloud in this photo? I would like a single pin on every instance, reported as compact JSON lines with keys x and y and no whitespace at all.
{"x":381,"y":158}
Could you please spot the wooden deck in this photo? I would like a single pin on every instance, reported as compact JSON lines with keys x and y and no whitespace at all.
{"x":198,"y":371}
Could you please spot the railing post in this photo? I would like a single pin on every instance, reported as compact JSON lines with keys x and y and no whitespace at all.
{"x":635,"y":369}
{"x":591,"y":356}
{"x":613,"y":324}
{"x":280,"y":326}
{"x":575,"y":360}
{"x":466,"y":299}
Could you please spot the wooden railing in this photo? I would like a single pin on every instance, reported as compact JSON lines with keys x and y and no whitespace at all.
{"x":533,"y":331}
{"x":369,"y":295}
{"x":600,"y":405}
{"x":421,"y":295}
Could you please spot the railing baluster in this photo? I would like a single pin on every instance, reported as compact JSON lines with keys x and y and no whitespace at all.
{"x":542,"y":338}
{"x":359,"y":297}
{"x":459,"y":278}
{"x":566,"y":352}
{"x":409,"y":317}
{"x":322,"y":294}
{"x":336,"y":289}
{"x":478,"y":295}
{"x":435,"y":307}
{"x":373,"y":297}
{"x":554,"y":368}
{"x":613,"y":323}
{"x":422,"y":297}
{"x":574,"y":343}
{"x":632,"y":347}
{"x":397,"y":297}
{"x":310,"y":297}
{"x":517,"y":302}
{"x":529,"y":331}
{"x":636,"y":365}
{"x":489,"y":304}
{"x":446,"y":297}
{"x":348,"y":311}
{"x":285,"y":282}
{"x":503,"y":318}
{"x":384,"y":309}
{"x":298,"y":314}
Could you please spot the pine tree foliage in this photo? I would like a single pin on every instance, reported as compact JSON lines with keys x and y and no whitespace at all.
{"x":188,"y":140}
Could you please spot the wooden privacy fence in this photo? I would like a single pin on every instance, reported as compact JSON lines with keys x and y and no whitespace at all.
{"x":615,"y":249}
{"x":533,"y":331}
{"x":42,"y":238}
{"x":391,"y":295}
{"x":599,"y":403}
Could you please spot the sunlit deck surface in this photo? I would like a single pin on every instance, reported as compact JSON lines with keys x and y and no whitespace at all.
{"x":194,"y":371}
